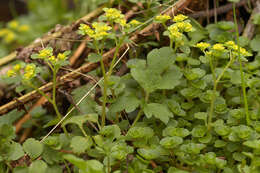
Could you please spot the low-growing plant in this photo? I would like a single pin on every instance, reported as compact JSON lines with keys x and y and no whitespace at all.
{"x":191,"y":105}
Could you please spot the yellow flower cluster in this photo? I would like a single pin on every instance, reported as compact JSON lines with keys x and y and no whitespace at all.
{"x":29,"y":71}
{"x":162,"y":18}
{"x":113,"y":14}
{"x":176,"y":30}
{"x":100,"y":30}
{"x":47,"y":55}
{"x":229,"y":45}
{"x":134,"y":23}
{"x":9,"y":34}
{"x":218,"y":47}
{"x":179,"y":18}
{"x":202,"y":46}
{"x":12,"y":72}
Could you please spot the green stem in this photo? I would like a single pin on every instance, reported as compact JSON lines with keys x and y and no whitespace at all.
{"x":241,"y":69}
{"x":139,"y":114}
{"x":212,"y":103}
{"x":39,"y":91}
{"x":67,"y":167}
{"x":54,"y":93}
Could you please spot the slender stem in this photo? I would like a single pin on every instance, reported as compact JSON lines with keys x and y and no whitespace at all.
{"x":139,"y":114}
{"x":39,"y":91}
{"x":212,"y":103}
{"x":241,"y":69}
{"x":114,"y":57}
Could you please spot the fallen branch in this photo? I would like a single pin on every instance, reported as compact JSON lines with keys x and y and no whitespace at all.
{"x":219,"y":10}
{"x":91,"y":66}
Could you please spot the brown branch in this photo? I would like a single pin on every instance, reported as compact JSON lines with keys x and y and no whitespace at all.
{"x":91,"y":66}
{"x":219,"y":10}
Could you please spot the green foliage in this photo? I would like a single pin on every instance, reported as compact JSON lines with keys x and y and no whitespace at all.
{"x":179,"y":108}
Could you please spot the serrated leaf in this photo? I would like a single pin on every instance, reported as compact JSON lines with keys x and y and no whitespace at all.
{"x":38,"y":166}
{"x":86,"y":166}
{"x":159,"y":111}
{"x":33,"y":148}
{"x":94,"y":57}
{"x":81,"y":119}
{"x":16,"y":151}
{"x":80,"y":144}
{"x":127,"y":102}
{"x":171,"y":142}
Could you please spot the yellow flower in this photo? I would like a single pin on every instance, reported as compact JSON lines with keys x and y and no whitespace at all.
{"x":202,"y":45}
{"x":3,"y":32}
{"x":174,"y":32}
{"x":13,"y":24}
{"x":61,"y":56}
{"x":9,"y":37}
{"x":208,"y":53}
{"x":134,"y":22}
{"x":113,"y":14}
{"x":162,"y":18}
{"x":17,"y":67}
{"x":29,"y":71}
{"x":122,"y":22}
{"x":179,"y":18}
{"x":45,"y":53}
{"x":218,"y":47}
{"x":52,"y":59}
{"x":173,"y":28}
{"x":23,"y":28}
{"x":11,"y":73}
{"x":184,"y":26}
{"x":85,"y":29}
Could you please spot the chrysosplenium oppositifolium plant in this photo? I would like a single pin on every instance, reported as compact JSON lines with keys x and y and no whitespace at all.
{"x":179,"y":109}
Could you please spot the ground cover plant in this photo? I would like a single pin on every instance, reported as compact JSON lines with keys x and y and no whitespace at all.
{"x":160,"y":92}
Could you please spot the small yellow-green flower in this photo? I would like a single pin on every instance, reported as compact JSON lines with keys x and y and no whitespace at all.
{"x":113,"y":14}
{"x":202,"y":45}
{"x":61,"y":56}
{"x":9,"y":37}
{"x":52,"y":59}
{"x":17,"y":67}
{"x":11,"y":73}
{"x":13,"y":24}
{"x":3,"y":32}
{"x":134,"y":22}
{"x":208,"y":53}
{"x":218,"y":47}
{"x":184,"y":26}
{"x":29,"y":71}
{"x":23,"y":28}
{"x":179,"y":18}
{"x":45,"y":53}
{"x":162,"y":18}
{"x":122,"y":22}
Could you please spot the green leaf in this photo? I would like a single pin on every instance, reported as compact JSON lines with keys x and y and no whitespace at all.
{"x":81,"y":119}
{"x":176,"y":170}
{"x":140,"y":132}
{"x":160,"y":73}
{"x":195,"y":73}
{"x":11,"y":117}
{"x":38,"y":166}
{"x":192,"y":148}
{"x":121,"y":150}
{"x":111,"y":131}
{"x":174,"y":131}
{"x":171,"y":142}
{"x":199,"y":131}
{"x":255,"y":144}
{"x":159,"y":111}
{"x":254,"y":44}
{"x":20,"y":169}
{"x":16,"y":151}
{"x":125,"y":102}
{"x":33,"y":148}
{"x":176,"y":108}
{"x":94,"y":57}
{"x":80,"y":144}
{"x":226,"y":25}
{"x":86,"y":166}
